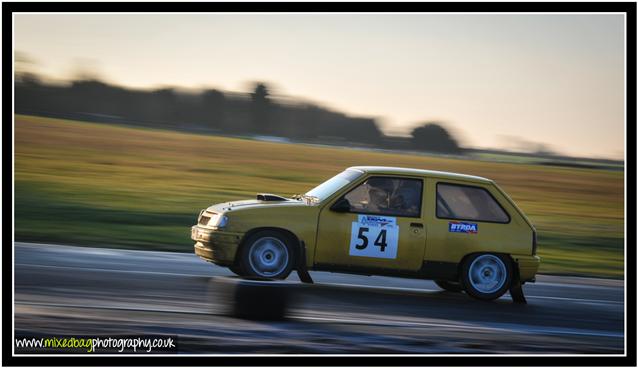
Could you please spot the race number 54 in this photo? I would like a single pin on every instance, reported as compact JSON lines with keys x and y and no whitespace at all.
{"x":380,"y":241}
{"x":374,"y":236}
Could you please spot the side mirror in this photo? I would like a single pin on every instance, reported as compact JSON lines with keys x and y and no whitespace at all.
{"x":341,"y":205}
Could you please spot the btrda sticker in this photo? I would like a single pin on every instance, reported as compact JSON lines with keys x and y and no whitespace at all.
{"x":463,"y":227}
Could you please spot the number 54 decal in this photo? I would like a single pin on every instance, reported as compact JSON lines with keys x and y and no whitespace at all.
{"x":374,"y":236}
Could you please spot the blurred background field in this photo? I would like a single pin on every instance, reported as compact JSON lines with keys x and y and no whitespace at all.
{"x":104,"y":185}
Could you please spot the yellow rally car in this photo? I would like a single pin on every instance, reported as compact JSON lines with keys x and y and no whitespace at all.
{"x":462,"y":231}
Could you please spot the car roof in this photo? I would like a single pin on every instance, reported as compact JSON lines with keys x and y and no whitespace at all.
{"x":419,"y":172}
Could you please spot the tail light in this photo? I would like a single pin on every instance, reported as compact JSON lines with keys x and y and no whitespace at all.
{"x":533,"y":242}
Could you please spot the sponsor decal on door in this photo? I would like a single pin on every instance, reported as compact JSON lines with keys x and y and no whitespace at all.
{"x":374,"y":236}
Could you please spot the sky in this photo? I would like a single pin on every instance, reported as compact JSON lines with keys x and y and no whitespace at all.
{"x":496,"y":81}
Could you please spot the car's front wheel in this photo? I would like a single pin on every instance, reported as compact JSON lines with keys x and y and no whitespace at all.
{"x":267,"y":254}
{"x":487,"y":276}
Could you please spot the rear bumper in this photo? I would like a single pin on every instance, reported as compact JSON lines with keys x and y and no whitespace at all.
{"x":219,"y":247}
{"x":527,"y":266}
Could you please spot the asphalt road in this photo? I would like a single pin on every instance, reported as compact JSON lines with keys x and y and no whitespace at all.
{"x":65,"y":290}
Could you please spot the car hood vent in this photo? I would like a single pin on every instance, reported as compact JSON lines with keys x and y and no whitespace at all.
{"x":270,"y":197}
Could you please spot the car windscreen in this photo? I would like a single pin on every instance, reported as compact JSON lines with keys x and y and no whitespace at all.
{"x":328,"y":187}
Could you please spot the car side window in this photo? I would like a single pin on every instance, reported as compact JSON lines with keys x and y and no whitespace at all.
{"x":462,"y":202}
{"x":387,"y":196}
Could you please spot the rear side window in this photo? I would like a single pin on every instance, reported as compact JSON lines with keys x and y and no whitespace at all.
{"x":461,"y":202}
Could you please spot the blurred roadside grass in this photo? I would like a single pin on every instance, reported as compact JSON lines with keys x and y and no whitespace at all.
{"x":103,"y":185}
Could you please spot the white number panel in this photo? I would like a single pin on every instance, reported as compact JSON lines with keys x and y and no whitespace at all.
{"x":374,"y":236}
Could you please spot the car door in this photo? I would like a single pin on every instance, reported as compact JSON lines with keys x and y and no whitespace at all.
{"x":381,"y":227}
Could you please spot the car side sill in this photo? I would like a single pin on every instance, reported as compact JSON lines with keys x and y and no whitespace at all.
{"x":429,"y":270}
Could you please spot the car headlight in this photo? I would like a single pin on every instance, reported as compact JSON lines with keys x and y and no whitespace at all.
{"x":218,"y":220}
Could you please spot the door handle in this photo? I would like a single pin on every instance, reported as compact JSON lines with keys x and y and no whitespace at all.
{"x":416,"y":224}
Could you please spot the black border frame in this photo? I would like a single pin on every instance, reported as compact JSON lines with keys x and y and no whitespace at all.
{"x":629,"y":8}
{"x":436,"y":210}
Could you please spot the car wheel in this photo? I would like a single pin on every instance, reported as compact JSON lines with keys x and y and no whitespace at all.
{"x":267,"y":254}
{"x":486,"y":276}
{"x":449,"y":285}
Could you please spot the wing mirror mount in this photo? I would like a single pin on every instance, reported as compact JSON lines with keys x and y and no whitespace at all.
{"x":341,"y":205}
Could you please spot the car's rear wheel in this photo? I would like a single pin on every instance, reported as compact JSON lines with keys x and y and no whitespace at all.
{"x":449,"y":285}
{"x":267,"y":254}
{"x":486,"y":276}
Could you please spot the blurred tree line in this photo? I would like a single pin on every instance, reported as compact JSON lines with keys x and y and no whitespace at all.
{"x":215,"y":111}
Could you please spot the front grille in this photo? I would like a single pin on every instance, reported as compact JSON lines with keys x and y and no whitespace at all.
{"x":203,"y":220}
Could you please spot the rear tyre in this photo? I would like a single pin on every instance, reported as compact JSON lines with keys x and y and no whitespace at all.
{"x":267,"y":254}
{"x":486,"y":276}
{"x":449,"y":285}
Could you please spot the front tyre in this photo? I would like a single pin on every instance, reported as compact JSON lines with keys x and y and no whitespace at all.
{"x":486,"y":276}
{"x":267,"y":254}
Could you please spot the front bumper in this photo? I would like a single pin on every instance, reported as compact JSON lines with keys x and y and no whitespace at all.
{"x":527,"y":266}
{"x":213,"y":245}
